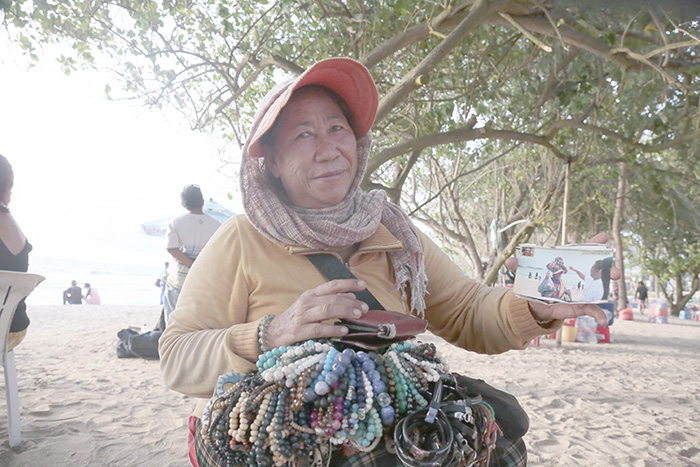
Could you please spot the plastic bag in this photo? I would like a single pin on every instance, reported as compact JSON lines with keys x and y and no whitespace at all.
{"x":587,"y":327}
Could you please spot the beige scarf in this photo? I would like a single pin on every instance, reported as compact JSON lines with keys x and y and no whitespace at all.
{"x":353,"y":220}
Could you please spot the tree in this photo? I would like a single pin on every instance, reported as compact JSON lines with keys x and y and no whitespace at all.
{"x":667,"y":226}
{"x":461,"y":83}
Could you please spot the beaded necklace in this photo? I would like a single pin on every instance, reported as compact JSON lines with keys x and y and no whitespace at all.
{"x":312,"y":395}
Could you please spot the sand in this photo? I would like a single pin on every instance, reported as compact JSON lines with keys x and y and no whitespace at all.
{"x":634,"y":402}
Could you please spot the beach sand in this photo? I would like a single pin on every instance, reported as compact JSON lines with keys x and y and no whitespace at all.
{"x":634,"y":402}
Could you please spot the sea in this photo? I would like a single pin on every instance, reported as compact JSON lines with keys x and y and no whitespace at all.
{"x":117,"y":284}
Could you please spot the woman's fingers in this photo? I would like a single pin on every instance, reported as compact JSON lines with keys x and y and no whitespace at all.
{"x":615,"y":273}
{"x":338,"y":286}
{"x":596,"y":312}
{"x":333,"y":300}
{"x":601,"y":237}
{"x":318,"y":330}
{"x":308,"y":316}
{"x":543,"y":311}
{"x":512,"y":263}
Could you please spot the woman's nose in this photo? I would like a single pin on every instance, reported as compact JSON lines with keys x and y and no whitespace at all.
{"x":326,"y":148}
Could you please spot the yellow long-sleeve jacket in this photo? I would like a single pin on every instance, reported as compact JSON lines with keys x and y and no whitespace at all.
{"x":240,"y":277}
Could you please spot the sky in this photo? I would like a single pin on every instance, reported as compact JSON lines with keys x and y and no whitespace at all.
{"x":89,"y":171}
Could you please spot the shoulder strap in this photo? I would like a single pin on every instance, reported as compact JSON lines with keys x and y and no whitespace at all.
{"x":332,"y":268}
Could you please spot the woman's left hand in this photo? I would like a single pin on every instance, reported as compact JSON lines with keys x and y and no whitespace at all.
{"x":545,"y":312}
{"x":560,"y":310}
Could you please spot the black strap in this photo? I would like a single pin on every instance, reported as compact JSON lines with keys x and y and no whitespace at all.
{"x":332,"y":268}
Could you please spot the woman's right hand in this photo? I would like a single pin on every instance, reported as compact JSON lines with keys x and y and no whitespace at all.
{"x":304,"y":320}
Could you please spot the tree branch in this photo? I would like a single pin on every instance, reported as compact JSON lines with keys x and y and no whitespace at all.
{"x":409,"y":81}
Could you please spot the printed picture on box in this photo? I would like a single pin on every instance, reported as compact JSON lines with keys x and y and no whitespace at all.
{"x":566,"y":274}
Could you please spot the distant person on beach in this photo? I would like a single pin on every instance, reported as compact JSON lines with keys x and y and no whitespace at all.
{"x":641,"y":295}
{"x":73,"y":295}
{"x":592,"y":284}
{"x":162,"y":280}
{"x":14,"y":251}
{"x":92,"y":296}
{"x":186,"y":236}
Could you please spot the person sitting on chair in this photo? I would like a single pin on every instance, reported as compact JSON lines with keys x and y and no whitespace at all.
{"x":14,"y":250}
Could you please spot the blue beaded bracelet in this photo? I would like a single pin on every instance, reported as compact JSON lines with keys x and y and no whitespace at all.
{"x":262,"y":330}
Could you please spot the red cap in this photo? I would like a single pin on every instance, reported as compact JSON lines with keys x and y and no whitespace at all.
{"x":346,"y":77}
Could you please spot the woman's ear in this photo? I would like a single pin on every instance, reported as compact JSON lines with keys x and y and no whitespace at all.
{"x":270,"y":162}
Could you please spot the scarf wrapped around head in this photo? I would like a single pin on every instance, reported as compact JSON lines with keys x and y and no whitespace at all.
{"x":335,"y":228}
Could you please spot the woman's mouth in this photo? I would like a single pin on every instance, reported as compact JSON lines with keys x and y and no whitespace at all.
{"x":331,"y":175}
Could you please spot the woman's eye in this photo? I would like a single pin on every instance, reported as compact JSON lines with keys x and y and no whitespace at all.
{"x":304,"y":134}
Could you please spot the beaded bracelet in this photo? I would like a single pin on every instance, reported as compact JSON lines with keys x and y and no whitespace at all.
{"x":314,"y":396}
{"x":262,"y":330}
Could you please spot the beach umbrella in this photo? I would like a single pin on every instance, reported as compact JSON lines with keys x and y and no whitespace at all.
{"x":157,"y":228}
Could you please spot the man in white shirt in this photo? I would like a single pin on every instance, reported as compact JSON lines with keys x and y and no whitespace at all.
{"x":593,"y":289}
{"x":186,"y":236}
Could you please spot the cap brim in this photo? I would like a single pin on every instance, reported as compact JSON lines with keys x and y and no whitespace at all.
{"x":348,"y":78}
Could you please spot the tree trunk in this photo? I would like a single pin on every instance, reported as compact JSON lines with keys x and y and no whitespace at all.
{"x":678,"y":302}
{"x":564,"y":213}
{"x":617,"y":236}
{"x":565,"y":208}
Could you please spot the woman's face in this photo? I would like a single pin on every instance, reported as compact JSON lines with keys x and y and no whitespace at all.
{"x":314,"y":152}
{"x":6,"y":197}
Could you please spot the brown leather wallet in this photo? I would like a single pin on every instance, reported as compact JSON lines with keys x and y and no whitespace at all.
{"x":380,"y":328}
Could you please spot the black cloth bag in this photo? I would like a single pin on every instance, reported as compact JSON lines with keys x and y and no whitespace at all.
{"x":132,"y":344}
{"x":511,"y":417}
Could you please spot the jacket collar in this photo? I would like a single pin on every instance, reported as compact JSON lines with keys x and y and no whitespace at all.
{"x":380,"y":240}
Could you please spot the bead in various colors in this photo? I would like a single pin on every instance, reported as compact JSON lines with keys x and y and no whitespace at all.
{"x":311,"y":394}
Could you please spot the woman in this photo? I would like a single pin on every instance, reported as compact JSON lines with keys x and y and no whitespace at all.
{"x":92,"y":296}
{"x":546,"y":287}
{"x":253,"y":289}
{"x":559,"y":284}
{"x":14,"y":250}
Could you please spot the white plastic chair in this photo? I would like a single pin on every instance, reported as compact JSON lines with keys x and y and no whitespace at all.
{"x":14,"y":286}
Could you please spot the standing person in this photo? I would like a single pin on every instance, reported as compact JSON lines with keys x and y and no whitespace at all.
{"x":186,"y":236}
{"x":162,"y":280}
{"x":641,"y":295}
{"x":73,"y":295}
{"x":92,"y":296}
{"x":253,"y":288}
{"x":14,"y":250}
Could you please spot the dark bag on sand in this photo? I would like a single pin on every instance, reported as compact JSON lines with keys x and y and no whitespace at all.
{"x":131,"y":344}
{"x":510,"y":416}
